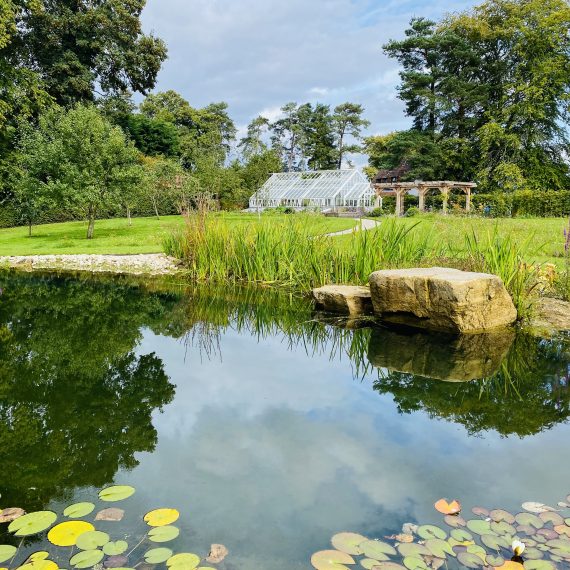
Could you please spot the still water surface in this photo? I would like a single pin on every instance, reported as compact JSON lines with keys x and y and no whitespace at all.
{"x":269,"y":428}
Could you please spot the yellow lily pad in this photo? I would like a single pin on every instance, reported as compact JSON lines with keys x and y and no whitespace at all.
{"x":66,"y":533}
{"x":161,"y":517}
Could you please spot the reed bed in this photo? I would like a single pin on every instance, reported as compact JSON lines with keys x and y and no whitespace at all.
{"x":286,"y":253}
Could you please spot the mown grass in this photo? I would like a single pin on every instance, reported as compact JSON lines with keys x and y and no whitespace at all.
{"x":115,"y":236}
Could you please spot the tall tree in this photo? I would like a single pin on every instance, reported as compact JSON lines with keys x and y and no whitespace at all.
{"x":347,"y":121}
{"x":287,"y":138}
{"x":80,"y":46}
{"x":318,"y":139}
{"x":253,"y":143}
{"x":80,"y":160}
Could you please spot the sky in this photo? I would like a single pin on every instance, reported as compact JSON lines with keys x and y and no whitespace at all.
{"x":260,"y":54}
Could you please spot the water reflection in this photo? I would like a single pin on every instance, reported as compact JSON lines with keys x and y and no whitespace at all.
{"x":80,"y":379}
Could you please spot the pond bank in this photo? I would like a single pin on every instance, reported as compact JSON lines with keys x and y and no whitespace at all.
{"x":151,"y":264}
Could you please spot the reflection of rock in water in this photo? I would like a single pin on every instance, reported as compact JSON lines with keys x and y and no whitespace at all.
{"x":452,"y":358}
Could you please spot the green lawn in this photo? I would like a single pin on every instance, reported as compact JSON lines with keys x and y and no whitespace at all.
{"x":543,"y":238}
{"x":117,"y":237}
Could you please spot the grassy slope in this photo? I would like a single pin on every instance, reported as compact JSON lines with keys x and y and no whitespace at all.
{"x":116,"y":237}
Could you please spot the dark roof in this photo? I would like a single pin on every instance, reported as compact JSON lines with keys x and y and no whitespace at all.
{"x":388,"y":175}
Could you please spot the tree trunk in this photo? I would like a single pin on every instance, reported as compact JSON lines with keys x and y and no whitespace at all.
{"x":155,"y":208}
{"x":30,"y":228}
{"x":129,"y":215}
{"x":91,"y":226}
{"x":340,"y":151}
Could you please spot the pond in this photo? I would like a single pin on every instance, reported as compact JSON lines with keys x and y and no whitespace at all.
{"x":270,"y":428}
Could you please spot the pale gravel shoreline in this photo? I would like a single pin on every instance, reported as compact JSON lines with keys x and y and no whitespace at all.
{"x":149,"y":264}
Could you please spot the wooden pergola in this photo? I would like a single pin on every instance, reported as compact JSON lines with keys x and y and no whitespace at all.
{"x":400,"y":189}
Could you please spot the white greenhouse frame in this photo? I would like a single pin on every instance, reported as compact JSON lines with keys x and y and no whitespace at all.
{"x":318,"y":189}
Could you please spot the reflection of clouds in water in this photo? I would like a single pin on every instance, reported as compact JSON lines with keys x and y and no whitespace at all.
{"x":272,"y":451}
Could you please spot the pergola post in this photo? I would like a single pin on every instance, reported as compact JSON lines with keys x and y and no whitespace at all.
{"x":445,"y":193}
{"x":467,"y":199}
{"x":422,"y":191}
{"x":400,"y":193}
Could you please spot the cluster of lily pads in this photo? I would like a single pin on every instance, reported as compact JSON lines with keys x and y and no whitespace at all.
{"x":537,"y":538}
{"x":81,"y":545}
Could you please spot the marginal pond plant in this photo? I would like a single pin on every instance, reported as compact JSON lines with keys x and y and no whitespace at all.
{"x":79,"y":544}
{"x":537,"y":538}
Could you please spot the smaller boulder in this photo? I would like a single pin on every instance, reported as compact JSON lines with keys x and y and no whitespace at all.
{"x":344,"y":299}
{"x":551,"y":316}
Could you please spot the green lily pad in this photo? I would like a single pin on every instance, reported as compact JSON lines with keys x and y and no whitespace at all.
{"x":387,"y":566}
{"x":115,"y":548}
{"x":479,"y":526}
{"x":413,"y":549}
{"x":503,"y":528}
{"x":529,"y":519}
{"x":526,"y":529}
{"x":415,"y":563}
{"x":32,"y":523}
{"x":499,"y":515}
{"x":477,"y":550}
{"x":551,"y":517}
{"x":86,"y":558}
{"x":377,"y":549}
{"x":428,"y":531}
{"x":439,"y":548}
{"x":6,"y":552}
{"x":116,"y":493}
{"x":539,"y":565}
{"x":91,"y":540}
{"x":163,"y":533}
{"x":461,"y":535}
{"x":533,"y":554}
{"x":470,"y":560}
{"x":494,"y":560}
{"x":157,"y":555}
{"x":495,"y":542}
{"x":78,"y":510}
{"x":559,"y":544}
{"x":190,"y":560}
{"x":348,"y":542}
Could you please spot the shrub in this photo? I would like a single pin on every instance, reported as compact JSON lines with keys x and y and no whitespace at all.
{"x":376,"y":213}
{"x":412,"y":211}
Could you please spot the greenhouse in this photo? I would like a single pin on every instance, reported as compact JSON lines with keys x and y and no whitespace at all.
{"x":320,"y":189}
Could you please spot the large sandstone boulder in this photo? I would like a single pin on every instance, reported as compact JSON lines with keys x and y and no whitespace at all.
{"x":551,"y":316}
{"x":441,"y":356}
{"x":442,"y":299}
{"x":344,"y":299}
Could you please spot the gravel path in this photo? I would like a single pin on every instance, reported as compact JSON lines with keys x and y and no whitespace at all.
{"x":364,"y":225}
{"x":142,"y":264}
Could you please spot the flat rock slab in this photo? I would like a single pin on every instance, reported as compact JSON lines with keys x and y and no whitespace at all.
{"x":344,"y":299}
{"x":443,"y":299}
{"x":551,"y":315}
{"x":141,"y":264}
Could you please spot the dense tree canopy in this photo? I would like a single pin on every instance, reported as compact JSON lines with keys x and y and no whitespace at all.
{"x":491,"y":88}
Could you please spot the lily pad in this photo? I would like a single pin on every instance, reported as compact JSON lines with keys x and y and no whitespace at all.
{"x":533,"y":554}
{"x":32,"y":523}
{"x":414,"y":563}
{"x":448,"y":508}
{"x":368,"y":563}
{"x":499,"y":515}
{"x":551,"y":517}
{"x":217,"y":554}
{"x":480,"y":511}
{"x":163,"y":533}
{"x":92,"y":540}
{"x":86,"y":558}
{"x":161,"y":517}
{"x":559,"y":544}
{"x":439,"y":548}
{"x":454,"y":521}
{"x":461,"y":535}
{"x":375,"y":548}
{"x":428,"y":531}
{"x":348,"y":542}
{"x":67,"y":533}
{"x":478,"y":551}
{"x":479,"y":526}
{"x":79,"y":510}
{"x":116,"y":493}
{"x":11,"y":514}
{"x":562,"y":529}
{"x":533,"y":507}
{"x":413,"y":549}
{"x":114,"y":561}
{"x":389,"y":566}
{"x":112,"y":514}
{"x":503,"y":528}
{"x":494,"y":560}
{"x":189,"y":560}
{"x":115,"y":548}
{"x":39,"y":565}
{"x":495,"y":542}
{"x":6,"y":552}
{"x":157,"y":555}
{"x":470,"y":560}
{"x":529,"y":519}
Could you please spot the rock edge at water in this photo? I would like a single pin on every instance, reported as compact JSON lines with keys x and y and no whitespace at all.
{"x":138,"y":264}
{"x":351,"y":300}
